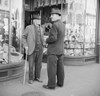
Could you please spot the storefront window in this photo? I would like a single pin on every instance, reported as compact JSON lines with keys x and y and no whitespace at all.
{"x":4,"y":30}
{"x":16,"y":29}
{"x":80,"y":28}
{"x":16,"y":23}
{"x":10,"y":31}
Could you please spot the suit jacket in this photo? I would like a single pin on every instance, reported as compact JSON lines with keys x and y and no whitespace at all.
{"x":28,"y":38}
{"x":56,"y":38}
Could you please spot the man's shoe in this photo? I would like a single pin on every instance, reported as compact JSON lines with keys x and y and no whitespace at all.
{"x":47,"y":87}
{"x":30,"y":81}
{"x":59,"y":85}
{"x":37,"y":79}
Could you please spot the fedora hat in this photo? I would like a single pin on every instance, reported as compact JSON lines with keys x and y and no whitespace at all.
{"x":55,"y":11}
{"x":36,"y":17}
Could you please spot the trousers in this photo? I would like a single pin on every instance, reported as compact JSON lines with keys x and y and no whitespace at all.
{"x":55,"y":70}
{"x":35,"y":63}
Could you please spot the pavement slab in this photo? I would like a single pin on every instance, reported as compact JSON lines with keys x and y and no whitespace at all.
{"x":79,"y":81}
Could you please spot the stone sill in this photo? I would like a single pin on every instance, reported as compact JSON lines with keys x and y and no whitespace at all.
{"x":76,"y":60}
{"x":79,"y":60}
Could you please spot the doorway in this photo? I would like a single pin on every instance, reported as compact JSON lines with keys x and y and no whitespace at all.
{"x":27,"y":18}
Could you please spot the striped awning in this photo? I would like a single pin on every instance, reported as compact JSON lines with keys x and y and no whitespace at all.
{"x":40,"y":3}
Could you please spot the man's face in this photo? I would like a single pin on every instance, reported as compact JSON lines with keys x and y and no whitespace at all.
{"x":37,"y":22}
{"x":54,"y":17}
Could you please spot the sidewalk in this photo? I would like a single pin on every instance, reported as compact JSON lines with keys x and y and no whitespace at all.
{"x":79,"y":81}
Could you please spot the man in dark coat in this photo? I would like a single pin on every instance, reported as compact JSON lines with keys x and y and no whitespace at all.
{"x":55,"y":51}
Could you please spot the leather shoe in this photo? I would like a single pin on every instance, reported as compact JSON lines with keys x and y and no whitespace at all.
{"x":30,"y":81}
{"x":47,"y":87}
{"x":59,"y":85}
{"x":37,"y":79}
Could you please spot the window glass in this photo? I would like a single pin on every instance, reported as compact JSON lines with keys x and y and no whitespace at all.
{"x":16,"y":30}
{"x":4,"y":31}
{"x":80,"y":28}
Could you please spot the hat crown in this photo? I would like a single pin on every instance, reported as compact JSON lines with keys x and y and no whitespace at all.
{"x":55,"y":11}
{"x":36,"y":16}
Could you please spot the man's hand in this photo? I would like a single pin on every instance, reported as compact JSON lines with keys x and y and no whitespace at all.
{"x":45,"y":44}
{"x":26,"y":48}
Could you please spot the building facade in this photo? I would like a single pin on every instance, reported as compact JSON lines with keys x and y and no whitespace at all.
{"x":82,"y":40}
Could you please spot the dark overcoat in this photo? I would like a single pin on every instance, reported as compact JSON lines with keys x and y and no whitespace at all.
{"x":56,"y":38}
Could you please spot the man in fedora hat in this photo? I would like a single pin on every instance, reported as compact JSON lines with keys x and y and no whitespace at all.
{"x":33,"y":41}
{"x":55,"y":51}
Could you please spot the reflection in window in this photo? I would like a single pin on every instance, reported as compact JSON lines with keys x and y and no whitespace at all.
{"x":80,"y":28}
